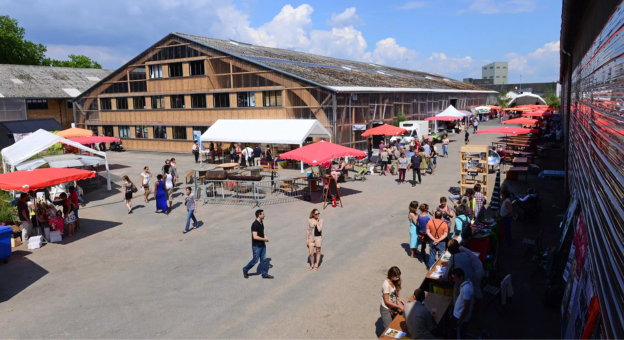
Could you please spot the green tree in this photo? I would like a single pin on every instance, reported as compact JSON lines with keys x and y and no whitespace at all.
{"x":400,"y":117}
{"x":550,"y":96}
{"x":502,"y":99}
{"x":77,"y":61}
{"x":14,"y":49}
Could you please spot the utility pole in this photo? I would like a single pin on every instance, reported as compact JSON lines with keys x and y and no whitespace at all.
{"x":520,"y":84}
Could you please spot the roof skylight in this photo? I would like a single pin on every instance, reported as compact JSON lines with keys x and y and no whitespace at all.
{"x":16,"y":81}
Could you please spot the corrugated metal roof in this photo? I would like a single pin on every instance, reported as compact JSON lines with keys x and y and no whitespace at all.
{"x":32,"y":125}
{"x":45,"y":81}
{"x":329,"y":71}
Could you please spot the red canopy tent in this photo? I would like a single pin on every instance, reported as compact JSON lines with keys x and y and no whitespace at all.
{"x":93,"y":139}
{"x":41,"y":178}
{"x":445,"y":118}
{"x":538,"y":114}
{"x":321,"y":152}
{"x":522,"y":121}
{"x":384,"y":130}
{"x":509,"y":131}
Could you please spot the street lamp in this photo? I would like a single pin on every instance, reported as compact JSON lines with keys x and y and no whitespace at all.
{"x":520,"y":84}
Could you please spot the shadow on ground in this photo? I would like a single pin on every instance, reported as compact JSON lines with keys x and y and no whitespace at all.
{"x":18,"y":274}
{"x":89,"y":227}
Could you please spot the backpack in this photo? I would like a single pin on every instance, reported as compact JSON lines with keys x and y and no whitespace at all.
{"x":466,"y":231}
{"x":134,"y":188}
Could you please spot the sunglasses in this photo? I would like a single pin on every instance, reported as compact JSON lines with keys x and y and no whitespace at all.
{"x":317,"y":214}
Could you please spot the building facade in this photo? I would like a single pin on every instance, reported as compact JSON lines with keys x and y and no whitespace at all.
{"x":592,"y":70}
{"x":185,"y":83}
{"x":41,"y":92}
{"x":497,"y":71}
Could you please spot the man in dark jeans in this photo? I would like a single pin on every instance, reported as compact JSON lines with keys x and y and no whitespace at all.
{"x":257,"y":155}
{"x":258,"y":247}
{"x":415,"y":165}
{"x":464,"y":303}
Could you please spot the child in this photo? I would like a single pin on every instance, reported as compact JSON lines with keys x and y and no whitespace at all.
{"x":467,"y":136}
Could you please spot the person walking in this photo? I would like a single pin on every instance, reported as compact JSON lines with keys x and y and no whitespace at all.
{"x":169,"y":189}
{"x":191,"y":207}
{"x":127,"y":193}
{"x":257,"y":155}
{"x":412,"y":216}
{"x":437,"y":231}
{"x":445,"y":144}
{"x":160,"y":195}
{"x":402,"y":164}
{"x":418,"y":318}
{"x":415,"y":165}
{"x":423,"y":161}
{"x":466,"y":136}
{"x":146,"y":179}
{"x":423,"y":220}
{"x":24,"y":216}
{"x":258,"y":247}
{"x":505,"y":213}
{"x":396,"y":154}
{"x":391,"y":303}
{"x":195,"y":151}
{"x":314,"y":238}
{"x":464,"y":303}
{"x":384,"y":162}
{"x":475,"y":125}
{"x":433,"y":160}
{"x":166,"y":169}
{"x":174,"y":171}
{"x":248,"y":154}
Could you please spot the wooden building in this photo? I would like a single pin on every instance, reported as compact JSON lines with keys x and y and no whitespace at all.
{"x":41,"y":92}
{"x":185,"y":83}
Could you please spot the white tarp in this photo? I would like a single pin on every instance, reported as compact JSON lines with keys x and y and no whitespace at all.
{"x":451,"y":111}
{"x":40,"y":141}
{"x":275,"y":131}
{"x":483,"y":109}
{"x":526,"y":99}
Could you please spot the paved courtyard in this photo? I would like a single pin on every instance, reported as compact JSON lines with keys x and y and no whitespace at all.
{"x":138,"y":276}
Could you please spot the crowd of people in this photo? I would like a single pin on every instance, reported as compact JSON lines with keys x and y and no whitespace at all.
{"x":241,"y":153}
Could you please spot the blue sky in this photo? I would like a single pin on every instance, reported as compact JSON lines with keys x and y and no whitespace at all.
{"x":450,"y":37}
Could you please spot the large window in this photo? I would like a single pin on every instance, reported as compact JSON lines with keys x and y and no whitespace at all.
{"x":221,"y":100}
{"x":272,"y":98}
{"x":106,"y":104}
{"x":124,"y":131}
{"x":107,"y":131}
{"x":175,"y":70}
{"x":160,"y":132}
{"x":246,"y":99}
{"x":37,"y":104}
{"x":121,"y":87}
{"x":138,"y":73}
{"x":155,"y":71}
{"x":139,"y":103}
{"x":201,"y":129}
{"x":198,"y":100}
{"x":141,"y":131}
{"x":122,"y":103}
{"x":179,"y":132}
{"x":177,"y":102}
{"x":158,"y":102}
{"x":196,"y":68}
{"x":138,"y":86}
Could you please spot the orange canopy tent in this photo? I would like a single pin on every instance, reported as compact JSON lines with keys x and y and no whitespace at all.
{"x":75,"y":132}
{"x":494,"y":107}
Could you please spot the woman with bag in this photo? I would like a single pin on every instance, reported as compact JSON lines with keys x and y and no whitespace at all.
{"x":314,"y":238}
{"x":423,"y":239}
{"x":391,"y":303}
{"x":412,"y":216}
{"x":68,"y":212}
{"x":146,"y":178}
{"x":128,"y":189}
{"x":239,"y":153}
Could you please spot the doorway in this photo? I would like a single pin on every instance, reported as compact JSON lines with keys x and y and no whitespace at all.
{"x":453,"y":102}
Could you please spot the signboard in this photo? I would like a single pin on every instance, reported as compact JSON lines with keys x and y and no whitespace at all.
{"x":196,"y":137}
{"x":19,"y":136}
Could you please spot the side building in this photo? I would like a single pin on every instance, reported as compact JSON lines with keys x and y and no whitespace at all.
{"x":185,"y":83}
{"x":41,"y":92}
{"x":497,"y":71}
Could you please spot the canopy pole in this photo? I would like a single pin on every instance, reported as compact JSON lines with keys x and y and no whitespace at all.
{"x":301,"y":145}
{"x":108,"y":183}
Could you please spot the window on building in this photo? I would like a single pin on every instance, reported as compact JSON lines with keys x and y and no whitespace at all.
{"x":198,"y":100}
{"x":138,"y":73}
{"x":272,"y":98}
{"x":201,"y":129}
{"x":497,"y":76}
{"x":246,"y":99}
{"x":177,"y":102}
{"x":196,"y":68}
{"x":179,"y":132}
{"x":139,"y":103}
{"x":138,"y":86}
{"x":221,"y":100}
{"x":122,"y":103}
{"x":504,"y":76}
{"x":106,"y":104}
{"x":107,"y":131}
{"x":497,"y":66}
{"x":93,"y":128}
{"x":491,"y":67}
{"x":124,"y":131}
{"x":158,"y":102}
{"x":70,"y":105}
{"x":504,"y":66}
{"x":155,"y":71}
{"x":37,"y":104}
{"x":141,"y":131}
{"x":121,"y":87}
{"x":160,"y":132}
{"x":175,"y":70}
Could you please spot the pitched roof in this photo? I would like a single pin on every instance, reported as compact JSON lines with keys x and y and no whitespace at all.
{"x":333,"y":72}
{"x":26,"y":81}
{"x":32,"y":125}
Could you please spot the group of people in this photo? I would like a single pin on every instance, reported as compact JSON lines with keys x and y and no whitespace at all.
{"x":239,"y":153}
{"x":423,"y":156}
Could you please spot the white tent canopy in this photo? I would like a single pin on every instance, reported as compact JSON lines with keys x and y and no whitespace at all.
{"x":526,"y":99}
{"x":275,"y":131}
{"x":451,"y":111}
{"x":37,"y":142}
{"x":483,"y":109}
{"x":61,"y":161}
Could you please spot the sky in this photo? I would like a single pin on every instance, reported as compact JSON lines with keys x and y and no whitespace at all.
{"x":454,"y":38}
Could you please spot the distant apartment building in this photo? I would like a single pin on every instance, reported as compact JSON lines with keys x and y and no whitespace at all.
{"x":497,"y":71}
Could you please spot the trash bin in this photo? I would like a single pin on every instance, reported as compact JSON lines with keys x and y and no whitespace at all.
{"x":5,"y":243}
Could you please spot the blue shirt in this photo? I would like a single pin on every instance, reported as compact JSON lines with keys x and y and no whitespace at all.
{"x":422,"y":223}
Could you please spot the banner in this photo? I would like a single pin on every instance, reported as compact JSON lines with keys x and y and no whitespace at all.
{"x":196,"y":137}
{"x":19,"y":136}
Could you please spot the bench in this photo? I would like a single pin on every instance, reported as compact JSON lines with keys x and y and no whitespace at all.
{"x":189,"y":175}
{"x":512,"y":173}
{"x":550,"y":174}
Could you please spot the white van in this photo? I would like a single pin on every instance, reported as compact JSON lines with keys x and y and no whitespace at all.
{"x":417,"y":129}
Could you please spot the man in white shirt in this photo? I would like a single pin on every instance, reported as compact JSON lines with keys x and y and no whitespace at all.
{"x":463,"y":306}
{"x":475,"y":125}
{"x":247,"y":152}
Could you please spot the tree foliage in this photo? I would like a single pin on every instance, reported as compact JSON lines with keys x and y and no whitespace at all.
{"x":502,"y":99}
{"x":400,"y":117}
{"x":550,"y":96}
{"x":15,"y":50}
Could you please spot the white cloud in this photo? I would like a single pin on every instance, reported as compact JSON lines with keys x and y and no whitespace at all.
{"x":494,"y":7}
{"x":541,"y":65}
{"x":412,"y":5}
{"x":346,"y":18}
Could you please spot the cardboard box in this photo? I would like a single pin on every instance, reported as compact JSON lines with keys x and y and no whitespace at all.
{"x":16,"y":241}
